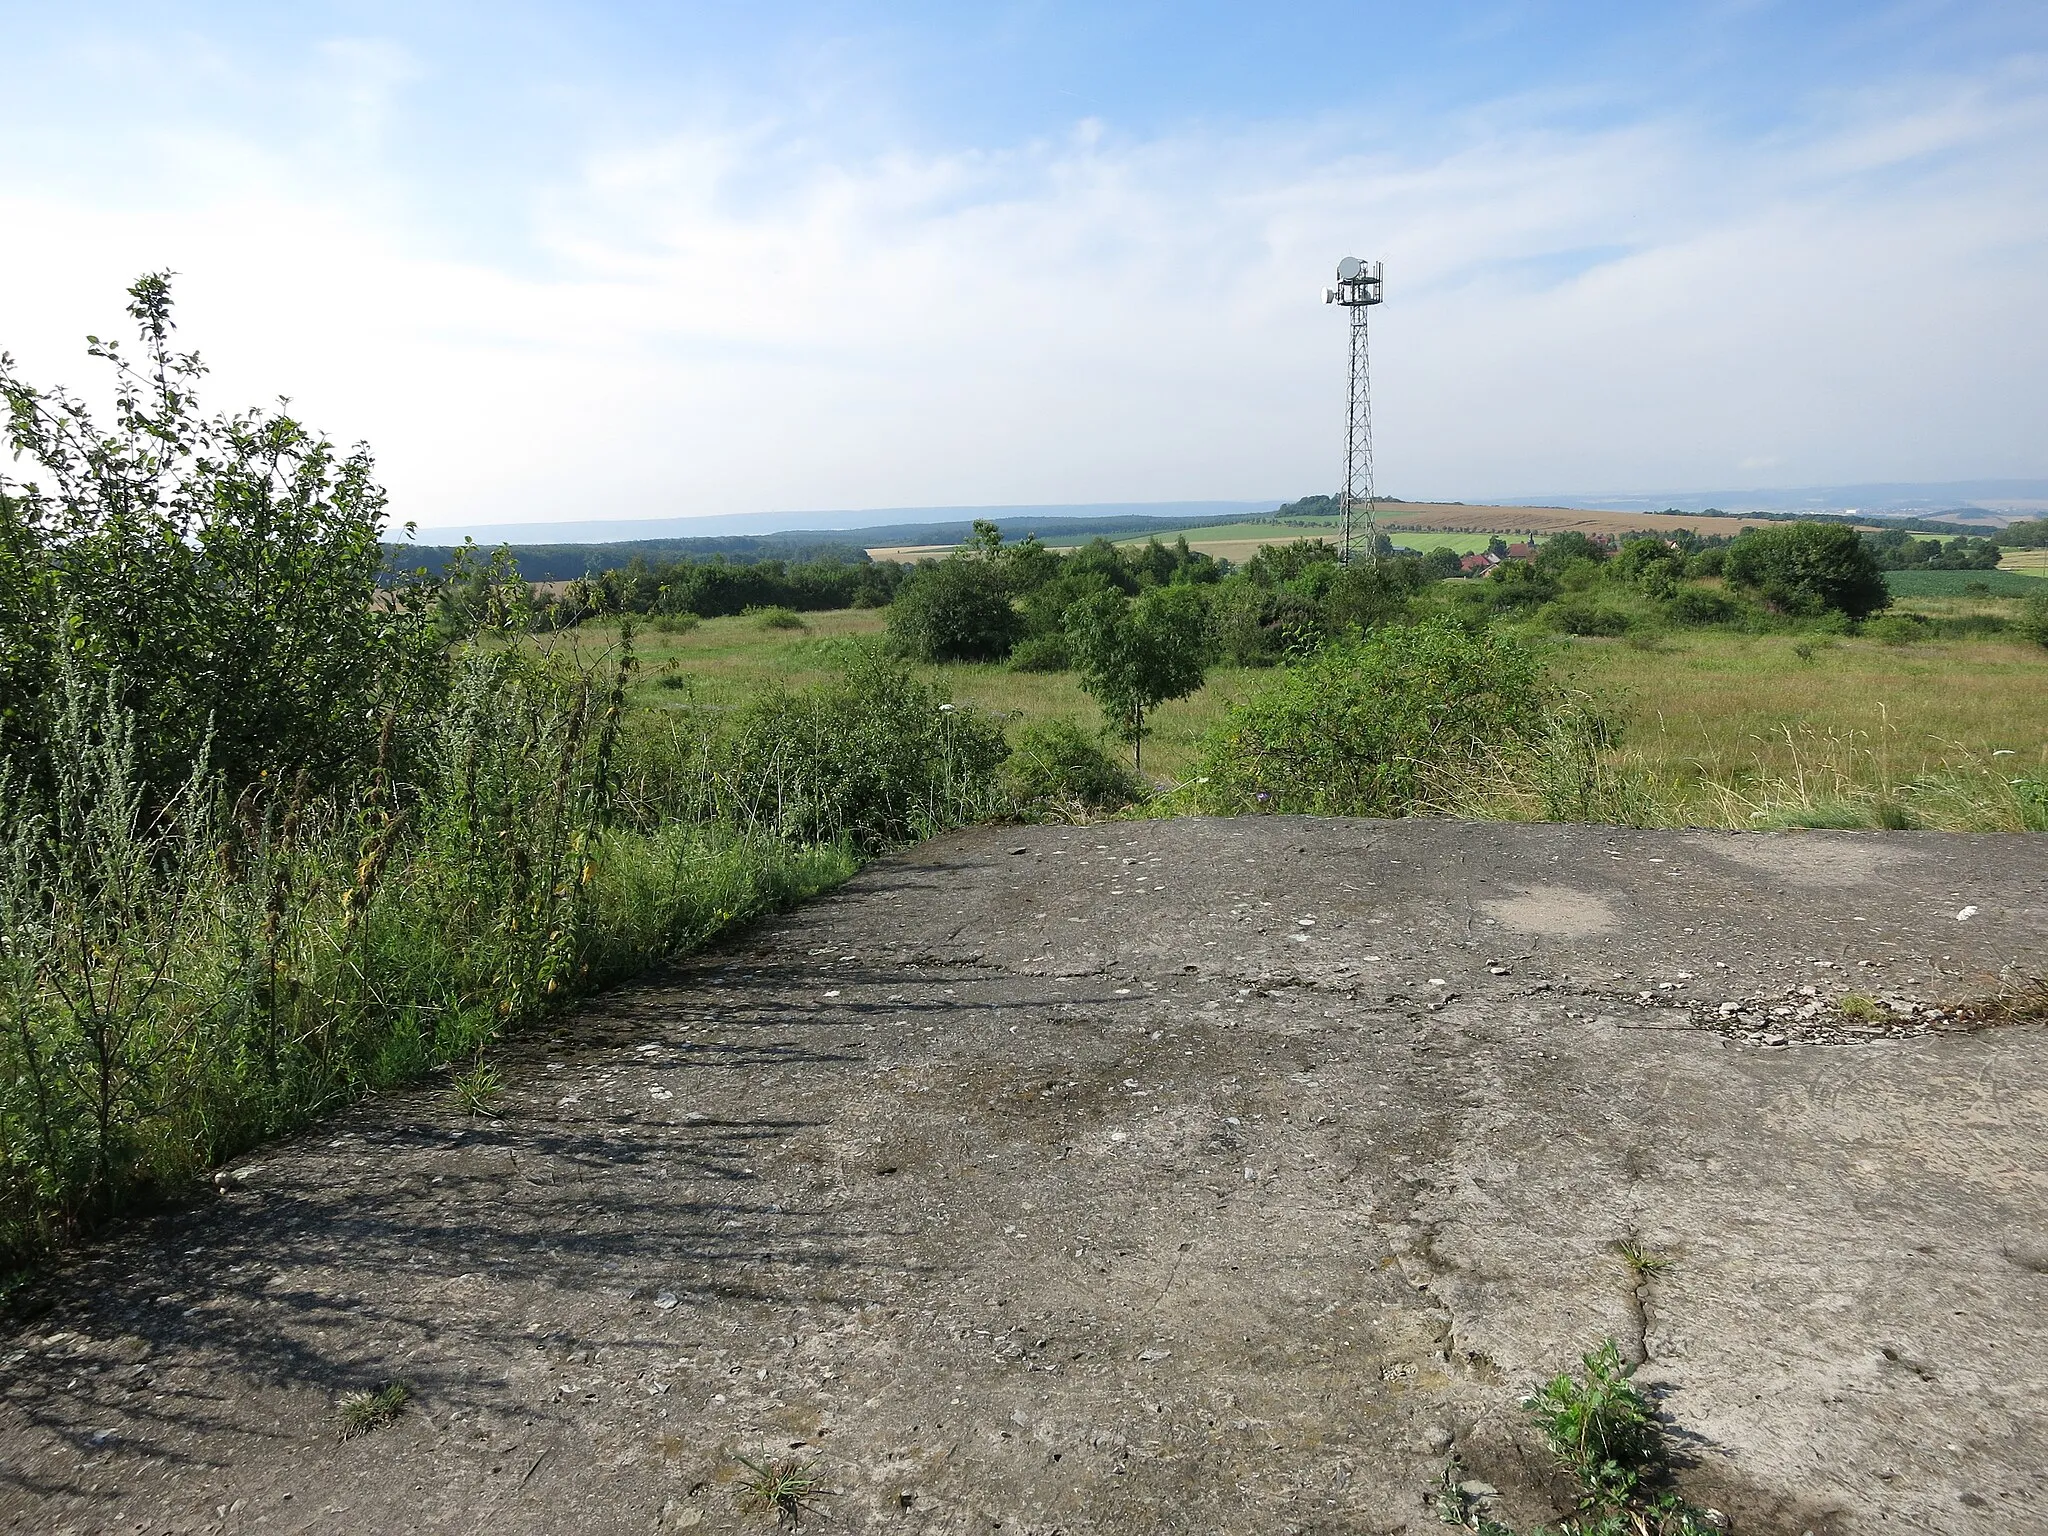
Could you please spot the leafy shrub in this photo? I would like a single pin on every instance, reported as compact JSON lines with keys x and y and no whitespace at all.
{"x":875,"y":757}
{"x":956,"y":609}
{"x":777,"y":617}
{"x":1367,"y":596}
{"x":222,"y":570}
{"x":1442,"y":563}
{"x":1578,"y":616}
{"x":1699,"y":605}
{"x":1379,"y":726}
{"x":2033,"y":620}
{"x":1651,"y":564}
{"x":1897,"y":628}
{"x":1056,"y":763}
{"x":673,"y":623}
{"x":1042,"y":653}
{"x":1562,"y":549}
{"x":1256,"y":626}
{"x":1515,"y":584}
{"x":1707,"y":563}
{"x":1809,"y":569}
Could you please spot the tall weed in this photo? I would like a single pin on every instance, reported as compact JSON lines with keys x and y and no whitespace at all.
{"x":182,"y":978}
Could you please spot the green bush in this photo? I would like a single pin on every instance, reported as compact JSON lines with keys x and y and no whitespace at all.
{"x":956,"y":609}
{"x":1042,"y":653}
{"x":1898,"y":628}
{"x":875,"y":757}
{"x":1257,"y":626}
{"x":1367,"y":596}
{"x":1580,"y":616}
{"x":1566,"y":548}
{"x":1809,"y":569}
{"x":1694,"y":605}
{"x":673,"y":623}
{"x":777,"y":617}
{"x":221,"y":570}
{"x":1056,"y":764}
{"x":2033,"y":620}
{"x":1380,"y":726}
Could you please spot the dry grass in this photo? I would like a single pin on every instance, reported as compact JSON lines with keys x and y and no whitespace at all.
{"x":1739,"y":730}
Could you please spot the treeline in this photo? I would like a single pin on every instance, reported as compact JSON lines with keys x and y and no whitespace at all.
{"x":1896,"y":550}
{"x":565,"y":562}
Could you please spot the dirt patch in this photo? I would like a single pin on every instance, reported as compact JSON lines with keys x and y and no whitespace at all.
{"x":1201,"y":1176}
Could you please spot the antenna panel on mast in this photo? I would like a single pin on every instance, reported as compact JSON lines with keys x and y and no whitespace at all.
{"x":1360,"y":285}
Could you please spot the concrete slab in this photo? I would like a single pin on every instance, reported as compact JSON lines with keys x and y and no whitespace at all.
{"x":1195,"y":1176}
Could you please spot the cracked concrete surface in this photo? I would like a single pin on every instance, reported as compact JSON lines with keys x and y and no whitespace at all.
{"x":1194,"y":1176}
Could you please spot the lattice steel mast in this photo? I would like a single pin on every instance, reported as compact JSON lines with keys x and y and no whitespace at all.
{"x":1360,"y":285}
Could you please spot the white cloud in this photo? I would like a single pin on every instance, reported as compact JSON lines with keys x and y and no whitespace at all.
{"x":735,"y":318}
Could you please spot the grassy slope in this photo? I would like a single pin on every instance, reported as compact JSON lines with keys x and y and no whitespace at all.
{"x":1703,"y":707}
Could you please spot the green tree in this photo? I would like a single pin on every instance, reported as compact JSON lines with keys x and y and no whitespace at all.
{"x":221,"y":572}
{"x":956,"y":609}
{"x":1136,"y":654}
{"x":1561,"y":549}
{"x":1809,"y":569}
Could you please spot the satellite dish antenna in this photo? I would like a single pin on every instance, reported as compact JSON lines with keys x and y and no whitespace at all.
{"x":1349,"y":268}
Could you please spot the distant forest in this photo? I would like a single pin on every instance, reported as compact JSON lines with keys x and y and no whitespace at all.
{"x":564,"y":562}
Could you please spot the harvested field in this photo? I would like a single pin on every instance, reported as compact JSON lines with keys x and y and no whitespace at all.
{"x":1547,"y":520}
{"x":1197,"y":1176}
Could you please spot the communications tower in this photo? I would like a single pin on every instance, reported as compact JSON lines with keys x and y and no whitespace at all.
{"x":1359,"y":287}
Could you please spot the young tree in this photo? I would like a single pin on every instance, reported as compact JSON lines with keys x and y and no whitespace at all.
{"x":1134,"y":655}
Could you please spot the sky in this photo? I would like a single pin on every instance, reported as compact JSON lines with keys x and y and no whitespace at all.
{"x":564,"y":261}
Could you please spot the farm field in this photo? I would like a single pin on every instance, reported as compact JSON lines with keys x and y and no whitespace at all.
{"x":2031,"y":562}
{"x":1720,"y":722}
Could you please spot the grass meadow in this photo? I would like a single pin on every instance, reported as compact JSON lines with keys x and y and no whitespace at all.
{"x":1726,"y":729}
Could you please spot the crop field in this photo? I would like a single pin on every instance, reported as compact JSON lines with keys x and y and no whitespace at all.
{"x":1721,"y":723}
{"x":2006,"y":581}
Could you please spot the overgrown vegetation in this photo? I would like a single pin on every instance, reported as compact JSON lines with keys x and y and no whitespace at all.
{"x":217,"y":928}
{"x":1396,"y":722}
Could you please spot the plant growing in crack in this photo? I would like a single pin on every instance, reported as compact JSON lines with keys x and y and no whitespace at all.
{"x":1642,"y":1262}
{"x":789,"y":1489}
{"x":1603,"y":1430}
{"x":361,"y":1412}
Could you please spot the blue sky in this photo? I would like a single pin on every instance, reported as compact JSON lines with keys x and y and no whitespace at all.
{"x":658,"y":260}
